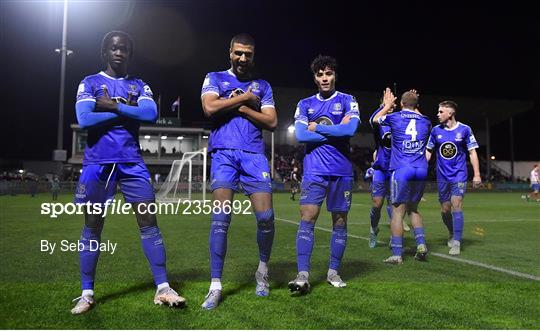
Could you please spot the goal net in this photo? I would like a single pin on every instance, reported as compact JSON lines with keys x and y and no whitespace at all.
{"x":186,"y":179}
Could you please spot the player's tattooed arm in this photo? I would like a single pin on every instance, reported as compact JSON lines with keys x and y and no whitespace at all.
{"x":212,"y":104}
{"x":477,"y":179}
{"x":265,"y":119}
{"x":388,"y":101}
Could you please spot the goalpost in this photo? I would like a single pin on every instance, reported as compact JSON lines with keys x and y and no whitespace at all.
{"x":186,"y":179}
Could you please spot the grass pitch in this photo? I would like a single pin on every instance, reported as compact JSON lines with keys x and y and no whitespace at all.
{"x":501,"y":232}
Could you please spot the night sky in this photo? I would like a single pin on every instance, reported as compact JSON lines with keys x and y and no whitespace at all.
{"x":478,"y":50}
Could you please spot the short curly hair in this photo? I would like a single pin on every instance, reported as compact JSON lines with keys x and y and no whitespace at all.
{"x":322,"y":62}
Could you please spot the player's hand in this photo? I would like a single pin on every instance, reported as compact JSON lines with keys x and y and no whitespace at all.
{"x":388,"y":98}
{"x":312,"y":126}
{"x":105,"y":103}
{"x":252,"y":100}
{"x":131,"y":101}
{"x":477,"y":181}
{"x":346,"y":119}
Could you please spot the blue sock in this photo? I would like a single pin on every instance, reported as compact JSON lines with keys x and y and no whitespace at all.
{"x":447,"y":220}
{"x":265,"y":233}
{"x":419,"y":236}
{"x":374,"y":217}
{"x":338,"y":242}
{"x":218,"y":243}
{"x":88,"y":259}
{"x":152,"y":245}
{"x":304,"y":245}
{"x":397,"y":245}
{"x":458,"y":224}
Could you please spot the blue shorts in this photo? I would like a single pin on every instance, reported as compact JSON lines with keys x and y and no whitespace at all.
{"x":535,"y":187}
{"x":407,"y":185}
{"x":98,"y":182}
{"x":336,"y":189}
{"x":380,"y":186}
{"x":449,"y":189}
{"x":233,"y":166}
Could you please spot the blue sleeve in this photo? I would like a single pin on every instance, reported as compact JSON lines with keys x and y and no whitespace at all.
{"x":303,"y":135}
{"x":431,"y":141}
{"x":340,"y":130}
{"x":373,"y":115}
{"x":146,"y":111}
{"x":88,"y":118}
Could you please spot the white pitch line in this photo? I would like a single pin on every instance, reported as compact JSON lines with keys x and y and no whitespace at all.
{"x":471,"y":262}
{"x":468,"y":221}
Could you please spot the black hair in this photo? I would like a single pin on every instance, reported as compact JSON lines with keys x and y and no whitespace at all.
{"x":244,"y":39}
{"x":322,"y":62}
{"x":116,"y":33}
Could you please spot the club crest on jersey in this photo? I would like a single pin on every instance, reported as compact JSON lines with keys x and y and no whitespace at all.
{"x":439,"y":136}
{"x":133,"y":87}
{"x":458,"y":136}
{"x":225,"y":84}
{"x":337,"y":106}
{"x":448,"y":150}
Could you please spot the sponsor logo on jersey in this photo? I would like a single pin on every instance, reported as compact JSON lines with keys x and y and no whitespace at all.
{"x":459,"y":137}
{"x":354,"y":106}
{"x":386,"y":140}
{"x":448,"y":150}
{"x":324,"y":120}
{"x":337,"y":106}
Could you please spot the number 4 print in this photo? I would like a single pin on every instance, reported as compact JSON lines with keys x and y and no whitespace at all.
{"x":411,"y":129}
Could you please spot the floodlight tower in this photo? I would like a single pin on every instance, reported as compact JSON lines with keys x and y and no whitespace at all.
{"x":60,"y":154}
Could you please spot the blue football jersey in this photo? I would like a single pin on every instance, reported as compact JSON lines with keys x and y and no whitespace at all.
{"x":232,"y":131}
{"x":117,"y":141}
{"x":452,"y":147}
{"x":383,"y":142}
{"x":410,"y":133}
{"x":330,"y":157}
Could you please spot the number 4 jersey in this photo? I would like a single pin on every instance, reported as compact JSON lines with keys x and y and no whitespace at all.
{"x":410,"y":133}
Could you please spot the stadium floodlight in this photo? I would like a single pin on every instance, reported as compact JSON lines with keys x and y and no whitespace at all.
{"x":180,"y":137}
{"x":291,"y":128}
{"x":163,"y":137}
{"x":21,"y":171}
{"x":205,"y":137}
{"x":60,"y":154}
{"x":493,"y":157}
{"x":147,"y":137}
